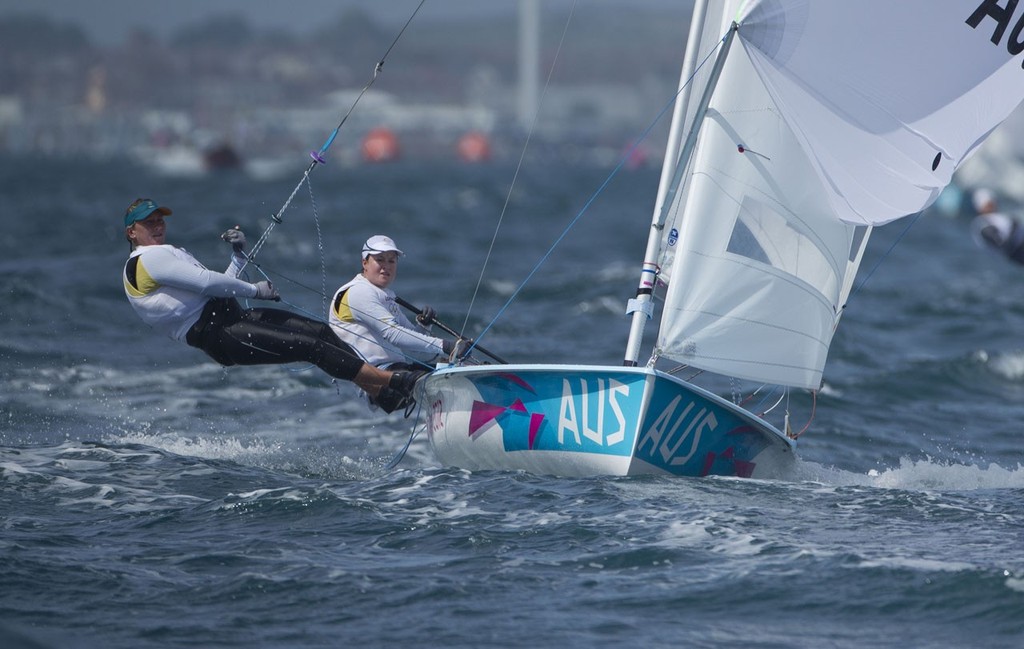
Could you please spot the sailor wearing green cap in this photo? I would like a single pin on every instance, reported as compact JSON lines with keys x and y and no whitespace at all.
{"x":176,"y":295}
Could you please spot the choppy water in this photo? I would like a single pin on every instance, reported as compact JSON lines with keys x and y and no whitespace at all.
{"x":149,"y":498}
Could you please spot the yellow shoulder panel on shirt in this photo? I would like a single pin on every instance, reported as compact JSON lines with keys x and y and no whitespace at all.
{"x":143,"y":283}
{"x":342,"y":309}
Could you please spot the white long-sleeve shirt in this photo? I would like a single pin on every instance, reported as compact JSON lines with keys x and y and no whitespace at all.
{"x":169,"y":288}
{"x":370,"y":321}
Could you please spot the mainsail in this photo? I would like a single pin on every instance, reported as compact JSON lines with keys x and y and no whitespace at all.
{"x":828,"y":117}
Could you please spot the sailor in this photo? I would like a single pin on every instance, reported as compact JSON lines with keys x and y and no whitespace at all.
{"x":364,"y":314}
{"x":176,"y":295}
{"x":994,"y":229}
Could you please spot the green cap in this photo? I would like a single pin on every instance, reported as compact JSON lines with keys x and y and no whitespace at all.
{"x":142,"y":208}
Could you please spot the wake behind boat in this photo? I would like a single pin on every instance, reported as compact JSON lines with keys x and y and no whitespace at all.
{"x":814,"y":123}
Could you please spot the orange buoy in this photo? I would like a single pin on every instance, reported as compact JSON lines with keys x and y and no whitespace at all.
{"x":380,"y":145}
{"x":474,"y":147}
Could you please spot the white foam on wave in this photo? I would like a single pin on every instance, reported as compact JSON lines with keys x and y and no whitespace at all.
{"x":918,"y":475}
{"x":501,"y":288}
{"x":929,"y":475}
{"x":225,"y":448}
{"x":95,"y":390}
{"x":685,"y":534}
{"x":917,"y":564}
{"x":78,"y":476}
{"x":12,"y":467}
{"x":283,"y":493}
{"x":1009,"y":365}
{"x":275,"y":455}
{"x":604,"y":303}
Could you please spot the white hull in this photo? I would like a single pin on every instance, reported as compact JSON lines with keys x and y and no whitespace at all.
{"x":573,"y":420}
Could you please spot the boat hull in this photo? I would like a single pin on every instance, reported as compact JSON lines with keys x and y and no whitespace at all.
{"x":575,"y":420}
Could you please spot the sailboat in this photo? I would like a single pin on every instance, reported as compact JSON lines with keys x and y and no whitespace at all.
{"x":798,"y":127}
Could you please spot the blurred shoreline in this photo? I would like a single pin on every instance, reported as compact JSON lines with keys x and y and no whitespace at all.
{"x":221,"y":92}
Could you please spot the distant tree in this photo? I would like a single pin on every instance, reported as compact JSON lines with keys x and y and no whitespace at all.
{"x":220,"y":32}
{"x":34,"y":33}
{"x":354,"y":34}
{"x":279,"y":37}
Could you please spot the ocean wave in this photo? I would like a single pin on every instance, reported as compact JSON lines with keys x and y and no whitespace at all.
{"x":917,"y":475}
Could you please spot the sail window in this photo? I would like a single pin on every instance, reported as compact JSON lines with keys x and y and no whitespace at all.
{"x":767,"y":237}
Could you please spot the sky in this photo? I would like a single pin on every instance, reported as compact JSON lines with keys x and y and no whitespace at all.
{"x":108,"y":22}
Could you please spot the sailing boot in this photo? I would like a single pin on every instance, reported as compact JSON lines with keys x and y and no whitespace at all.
{"x":399,"y":392}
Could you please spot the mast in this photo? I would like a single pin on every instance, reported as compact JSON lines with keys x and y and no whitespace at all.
{"x":641,"y":307}
{"x":684,"y":90}
{"x":529,"y":55}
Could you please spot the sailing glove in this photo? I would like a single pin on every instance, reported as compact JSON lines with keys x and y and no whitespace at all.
{"x":266,"y":291}
{"x":457,"y":350}
{"x":426,"y":316}
{"x":236,"y":238}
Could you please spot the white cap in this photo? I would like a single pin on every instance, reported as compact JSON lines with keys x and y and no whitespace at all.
{"x":377,"y":244}
{"x":982,"y":197}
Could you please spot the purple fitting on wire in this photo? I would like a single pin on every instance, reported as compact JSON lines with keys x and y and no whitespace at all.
{"x":316,"y":156}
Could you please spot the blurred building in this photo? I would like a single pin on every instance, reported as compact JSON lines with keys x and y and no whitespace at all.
{"x":222,"y":84}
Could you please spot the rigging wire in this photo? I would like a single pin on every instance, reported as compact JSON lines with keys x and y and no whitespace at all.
{"x":318,"y":156}
{"x":814,"y":409}
{"x":320,"y":318}
{"x":883,"y":257}
{"x":782,"y":395}
{"x":627,"y":155}
{"x":320,"y":249}
{"x":416,"y":428}
{"x":519,"y":165}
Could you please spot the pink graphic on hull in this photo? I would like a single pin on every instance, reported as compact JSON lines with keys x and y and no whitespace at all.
{"x":484,"y":414}
{"x":536,"y":419}
{"x":741,"y":468}
{"x":515,"y":378}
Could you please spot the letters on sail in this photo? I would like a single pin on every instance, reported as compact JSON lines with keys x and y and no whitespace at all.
{"x":888,"y":98}
{"x":1003,"y":18}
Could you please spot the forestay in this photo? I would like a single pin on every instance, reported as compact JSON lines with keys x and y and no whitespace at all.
{"x":829,"y":116}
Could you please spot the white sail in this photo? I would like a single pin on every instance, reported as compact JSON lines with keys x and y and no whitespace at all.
{"x":702,"y":45}
{"x":761,"y":261}
{"x":806,"y":138}
{"x":889,"y":97}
